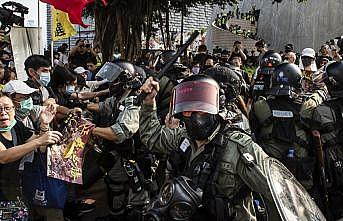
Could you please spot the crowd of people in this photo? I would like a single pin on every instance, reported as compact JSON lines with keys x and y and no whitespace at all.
{"x":194,"y":147}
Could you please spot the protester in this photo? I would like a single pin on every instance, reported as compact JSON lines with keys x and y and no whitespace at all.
{"x":80,"y":54}
{"x":38,"y":70}
{"x":63,"y":55}
{"x":290,"y":57}
{"x":15,"y":142}
{"x":237,"y":51}
{"x":9,"y":75}
{"x":92,"y":69}
{"x":34,"y":118}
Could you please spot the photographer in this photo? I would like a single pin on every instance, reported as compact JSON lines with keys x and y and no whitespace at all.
{"x":80,"y":54}
{"x":237,"y":51}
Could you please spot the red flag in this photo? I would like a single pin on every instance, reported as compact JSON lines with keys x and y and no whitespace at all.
{"x":74,"y":8}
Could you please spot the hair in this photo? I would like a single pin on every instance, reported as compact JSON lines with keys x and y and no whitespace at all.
{"x":60,"y":77}
{"x":261,"y":43}
{"x":78,"y":40}
{"x":237,"y":42}
{"x":2,"y":52}
{"x":202,"y":48}
{"x":92,"y":60}
{"x":7,"y":75}
{"x":35,"y":62}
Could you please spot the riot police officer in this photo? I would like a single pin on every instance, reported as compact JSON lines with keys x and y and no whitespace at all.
{"x":226,"y":164}
{"x":277,"y":125}
{"x":327,"y":119}
{"x":232,"y":106}
{"x":262,"y":78}
{"x":119,"y":122}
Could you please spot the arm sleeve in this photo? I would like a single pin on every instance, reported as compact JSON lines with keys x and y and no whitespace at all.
{"x":127,"y":123}
{"x":154,"y":136}
{"x":106,"y":107}
{"x":252,"y":173}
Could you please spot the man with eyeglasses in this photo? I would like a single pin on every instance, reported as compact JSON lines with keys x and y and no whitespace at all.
{"x":80,"y":54}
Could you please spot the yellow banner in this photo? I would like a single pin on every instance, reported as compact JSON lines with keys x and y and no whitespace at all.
{"x":61,"y":26}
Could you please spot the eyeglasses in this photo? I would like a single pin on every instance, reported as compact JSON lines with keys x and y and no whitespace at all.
{"x":6,"y":109}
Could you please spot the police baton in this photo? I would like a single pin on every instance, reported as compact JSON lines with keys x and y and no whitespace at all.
{"x":179,"y":52}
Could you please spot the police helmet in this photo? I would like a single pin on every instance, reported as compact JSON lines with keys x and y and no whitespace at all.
{"x":228,"y":80}
{"x":111,"y":70}
{"x":270,"y":59}
{"x":334,"y":78}
{"x":285,"y":79}
{"x":195,"y":93}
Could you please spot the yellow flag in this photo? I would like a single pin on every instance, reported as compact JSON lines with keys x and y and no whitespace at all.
{"x":61,"y":26}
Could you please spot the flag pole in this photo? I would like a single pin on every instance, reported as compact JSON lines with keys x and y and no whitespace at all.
{"x":39,"y":32}
{"x":52,"y":33}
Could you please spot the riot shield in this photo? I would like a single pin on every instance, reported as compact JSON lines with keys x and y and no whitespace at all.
{"x":291,"y":199}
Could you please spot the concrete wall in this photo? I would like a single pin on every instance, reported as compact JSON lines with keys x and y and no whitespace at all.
{"x":307,"y":24}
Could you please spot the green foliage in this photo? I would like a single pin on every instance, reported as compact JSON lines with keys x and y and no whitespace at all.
{"x":249,"y":70}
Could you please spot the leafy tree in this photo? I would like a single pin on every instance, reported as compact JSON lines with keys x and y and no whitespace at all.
{"x":120,"y":24}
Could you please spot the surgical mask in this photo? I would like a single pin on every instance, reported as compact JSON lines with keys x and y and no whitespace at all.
{"x":25,"y":108}
{"x":70,"y":89}
{"x":44,"y":78}
{"x":200,"y":126}
{"x":9,"y":127}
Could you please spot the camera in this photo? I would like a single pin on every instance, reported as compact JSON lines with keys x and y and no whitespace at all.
{"x":88,"y":45}
{"x":8,"y":18}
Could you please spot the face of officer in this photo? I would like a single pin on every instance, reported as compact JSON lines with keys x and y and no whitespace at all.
{"x":199,"y":125}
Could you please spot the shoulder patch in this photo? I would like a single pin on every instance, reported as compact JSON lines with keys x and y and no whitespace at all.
{"x":184,"y":145}
{"x":240,"y":138}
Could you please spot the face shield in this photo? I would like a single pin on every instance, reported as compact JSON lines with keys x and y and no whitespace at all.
{"x":308,"y":64}
{"x":111,"y":71}
{"x":201,"y":96}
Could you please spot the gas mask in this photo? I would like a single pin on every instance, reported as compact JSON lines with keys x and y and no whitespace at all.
{"x":178,"y":200}
{"x":200,"y":126}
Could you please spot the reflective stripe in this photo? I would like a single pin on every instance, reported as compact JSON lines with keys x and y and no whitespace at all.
{"x":279,"y":113}
{"x":258,"y":87}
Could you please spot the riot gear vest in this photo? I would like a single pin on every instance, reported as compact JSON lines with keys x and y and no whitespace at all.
{"x":328,"y":120}
{"x":277,"y":127}
{"x":204,"y":172}
{"x":279,"y":131}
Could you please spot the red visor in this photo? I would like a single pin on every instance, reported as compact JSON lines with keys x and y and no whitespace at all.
{"x":195,"y":96}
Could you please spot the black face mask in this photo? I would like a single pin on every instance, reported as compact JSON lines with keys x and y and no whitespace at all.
{"x":200,"y":126}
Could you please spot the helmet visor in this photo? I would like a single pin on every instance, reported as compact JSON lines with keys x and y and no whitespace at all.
{"x":195,"y":96}
{"x":109,"y":71}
